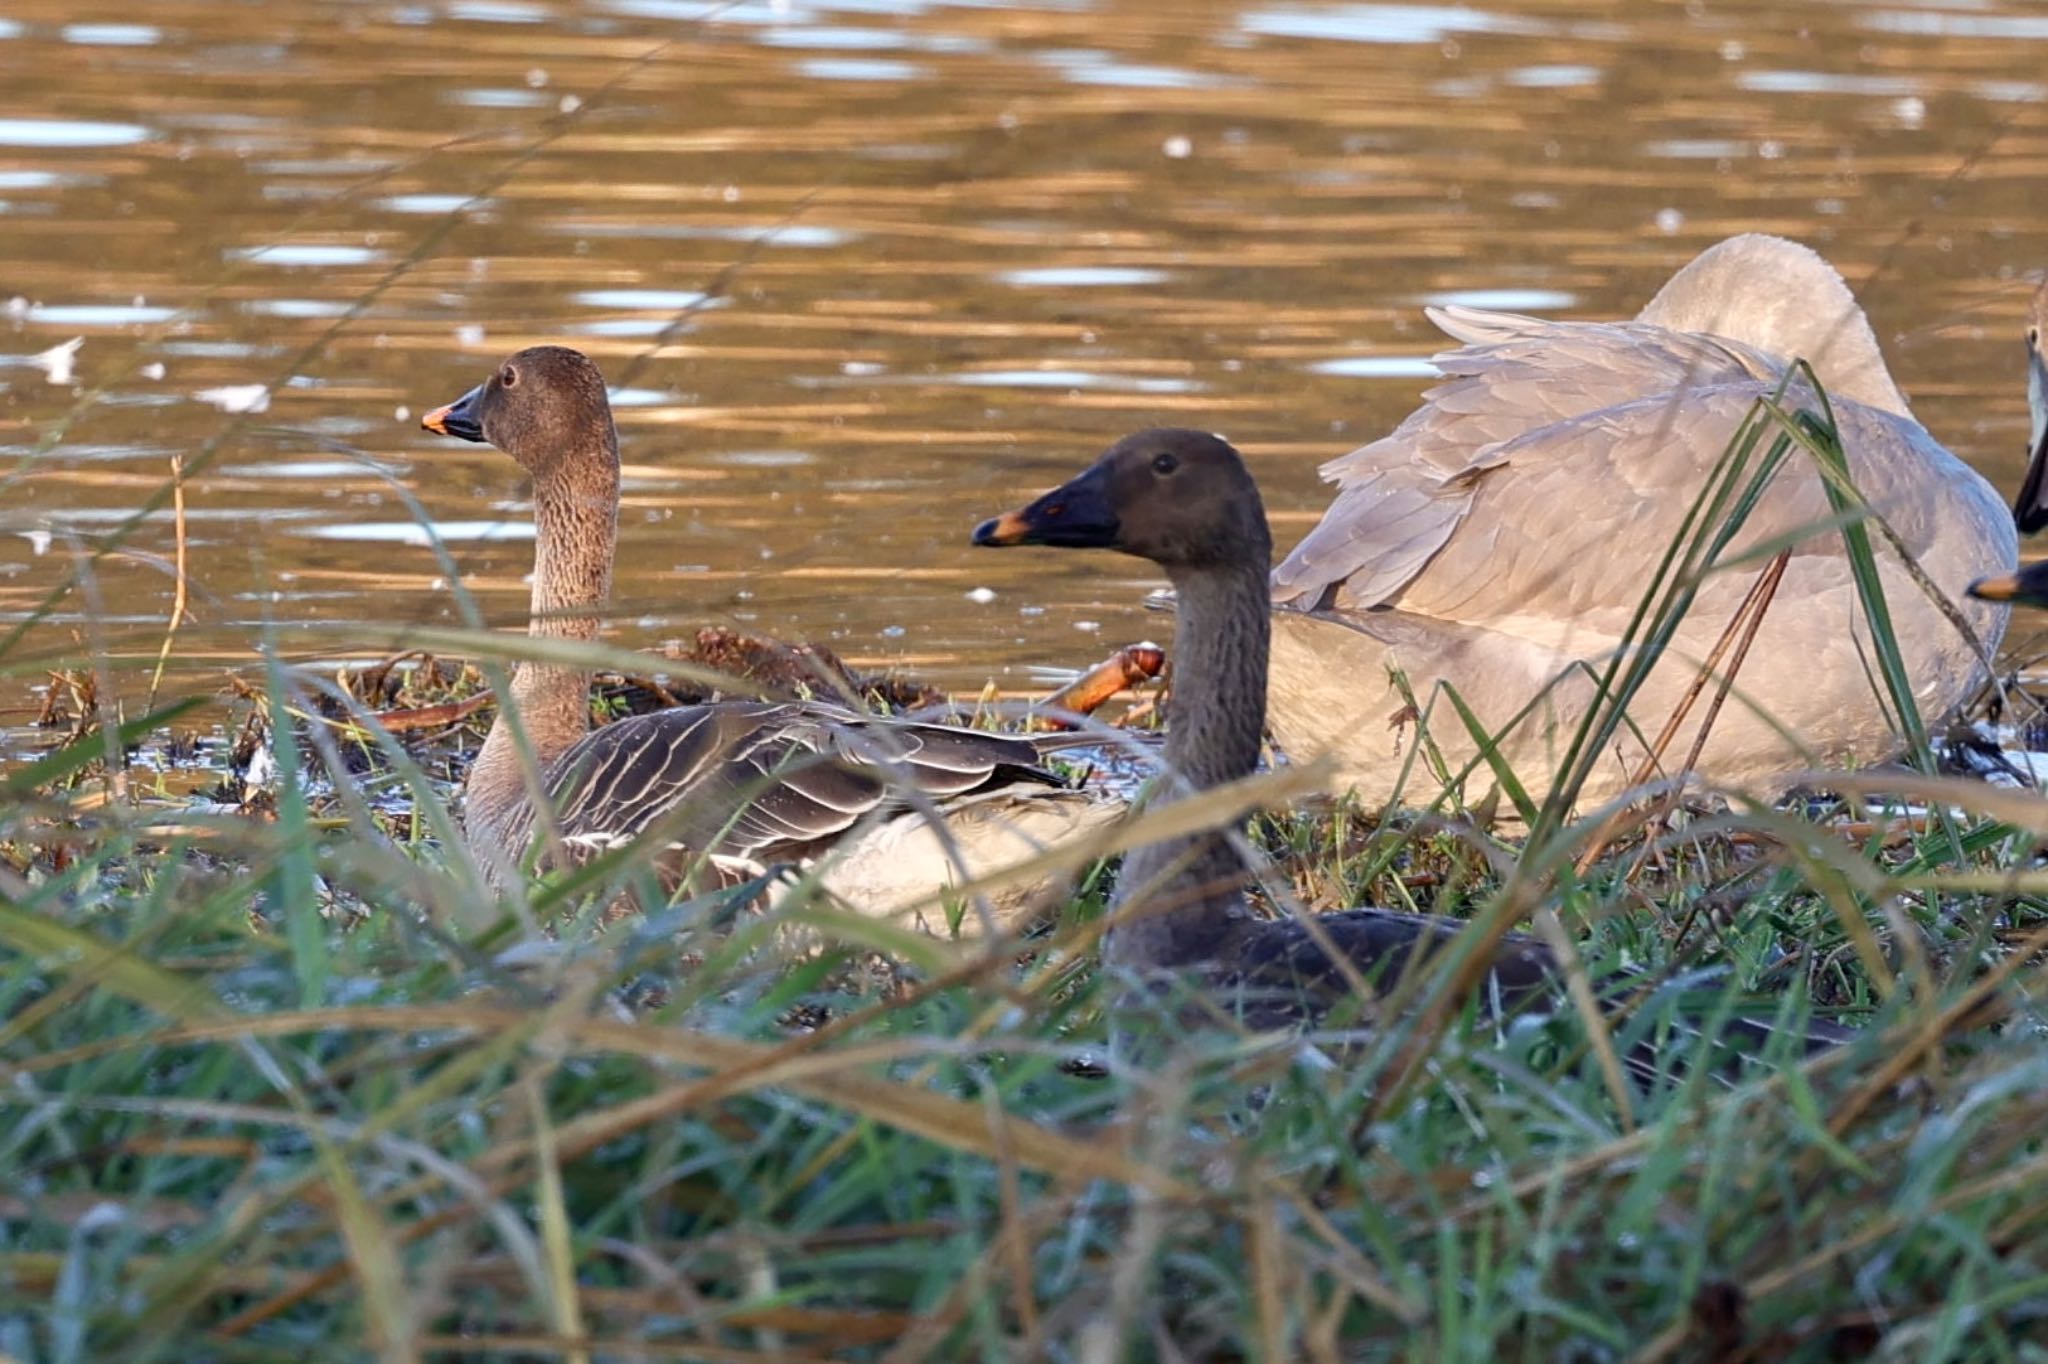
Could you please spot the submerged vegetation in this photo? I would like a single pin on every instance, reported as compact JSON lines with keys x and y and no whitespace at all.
{"x":283,"y":1076}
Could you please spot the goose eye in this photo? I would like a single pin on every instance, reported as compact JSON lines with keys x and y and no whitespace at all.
{"x":508,"y":377}
{"x":2034,"y":336}
{"x":1164,"y":464}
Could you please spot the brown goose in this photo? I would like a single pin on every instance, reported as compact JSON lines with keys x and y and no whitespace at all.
{"x":1507,"y":529}
{"x":733,"y":787}
{"x":1185,"y":501}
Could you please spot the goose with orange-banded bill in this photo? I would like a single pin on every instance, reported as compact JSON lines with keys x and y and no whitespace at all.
{"x":1184,"y":500}
{"x":733,"y":787}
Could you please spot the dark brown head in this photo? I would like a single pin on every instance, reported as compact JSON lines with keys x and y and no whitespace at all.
{"x":545,"y":407}
{"x":1182,"y":499}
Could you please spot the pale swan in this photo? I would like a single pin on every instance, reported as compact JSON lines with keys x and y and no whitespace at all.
{"x":1507,"y":529}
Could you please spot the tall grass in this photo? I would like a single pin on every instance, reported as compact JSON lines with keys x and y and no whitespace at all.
{"x":301,"y":1084}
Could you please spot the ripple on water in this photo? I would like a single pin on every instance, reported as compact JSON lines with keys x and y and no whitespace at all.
{"x":81,"y":452}
{"x":841,"y":38}
{"x":497,"y":12}
{"x":43,"y":179}
{"x":294,"y":307}
{"x":641,"y":397}
{"x":304,"y":254}
{"x":53,"y":132}
{"x":786,"y":234}
{"x":647,"y":300}
{"x":1936,"y":23}
{"x":1695,"y":148}
{"x":413,"y":533}
{"x":1553,"y":77}
{"x":1082,"y":277}
{"x":98,"y":314}
{"x":751,"y":12}
{"x":859,"y":69}
{"x":1377,"y":367}
{"x":311,"y":468}
{"x":1381,"y":23}
{"x":1506,"y":300}
{"x":1068,"y":378}
{"x":111,"y":35}
{"x":492,"y":98}
{"x":1088,"y":66}
{"x":1829,"y":83}
{"x":766,"y":459}
{"x":433,"y":204}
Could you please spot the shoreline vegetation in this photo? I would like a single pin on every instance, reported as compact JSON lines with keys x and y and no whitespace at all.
{"x":289,"y":1078}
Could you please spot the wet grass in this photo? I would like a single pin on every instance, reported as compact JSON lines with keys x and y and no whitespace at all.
{"x":287,"y":1079}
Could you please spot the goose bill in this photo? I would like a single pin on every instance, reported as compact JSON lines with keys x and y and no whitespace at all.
{"x":1075,"y":515}
{"x":2004,"y":587}
{"x":459,"y":418}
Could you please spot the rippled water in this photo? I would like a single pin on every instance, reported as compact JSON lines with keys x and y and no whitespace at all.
{"x":952,"y":249}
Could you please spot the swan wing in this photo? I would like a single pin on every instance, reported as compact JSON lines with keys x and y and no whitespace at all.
{"x":1402,"y":499}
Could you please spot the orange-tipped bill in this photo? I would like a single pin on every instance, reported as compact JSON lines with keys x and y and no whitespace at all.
{"x":460,"y":418}
{"x":1011,"y":528}
{"x":2028,"y":587}
{"x":1075,"y":515}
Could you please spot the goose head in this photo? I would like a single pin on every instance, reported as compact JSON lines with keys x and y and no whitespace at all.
{"x":1182,"y":499}
{"x":2031,"y":510}
{"x":545,"y":406}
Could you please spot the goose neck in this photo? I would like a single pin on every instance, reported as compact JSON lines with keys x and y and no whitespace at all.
{"x":1189,"y":891}
{"x":575,"y":540}
{"x":1223,"y":630}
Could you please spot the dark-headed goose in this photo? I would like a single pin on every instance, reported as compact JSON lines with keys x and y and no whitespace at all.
{"x":1185,"y":501}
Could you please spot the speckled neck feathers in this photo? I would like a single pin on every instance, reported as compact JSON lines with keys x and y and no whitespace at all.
{"x":576,"y":524}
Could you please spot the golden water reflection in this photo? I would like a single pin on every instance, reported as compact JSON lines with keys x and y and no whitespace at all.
{"x":955,"y":250}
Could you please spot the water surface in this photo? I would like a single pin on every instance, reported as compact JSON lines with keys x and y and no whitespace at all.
{"x":866,"y":272}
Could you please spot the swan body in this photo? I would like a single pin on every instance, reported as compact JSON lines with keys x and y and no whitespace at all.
{"x":1503,"y":535}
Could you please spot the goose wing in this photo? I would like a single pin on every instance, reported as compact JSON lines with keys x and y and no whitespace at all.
{"x":1403,"y":498}
{"x":760,"y":783}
